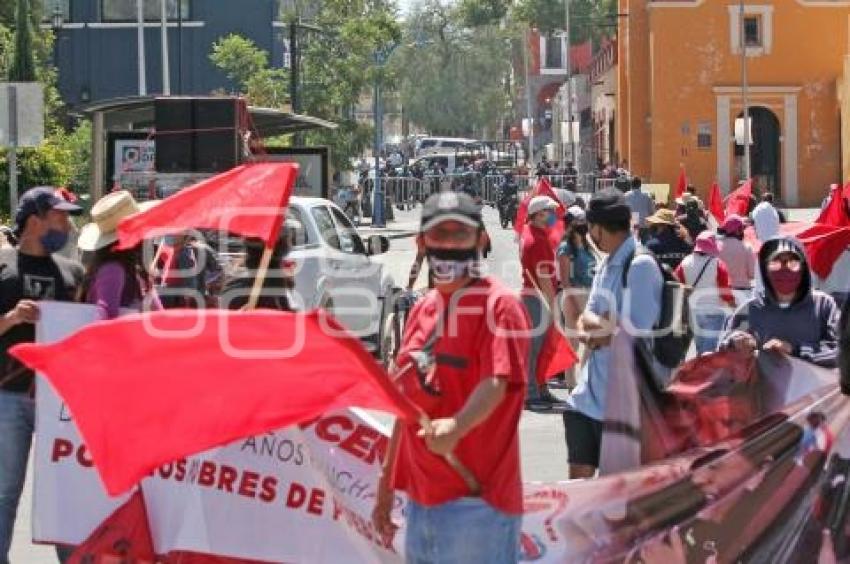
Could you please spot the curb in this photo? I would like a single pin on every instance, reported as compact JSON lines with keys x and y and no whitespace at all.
{"x":391,"y":236}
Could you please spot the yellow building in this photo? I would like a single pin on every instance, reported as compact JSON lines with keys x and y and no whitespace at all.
{"x":680,"y":96}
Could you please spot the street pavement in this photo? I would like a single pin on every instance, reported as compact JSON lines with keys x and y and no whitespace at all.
{"x":544,"y":453}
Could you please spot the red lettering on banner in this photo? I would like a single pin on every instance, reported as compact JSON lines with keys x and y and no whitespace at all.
{"x":359,"y":441}
{"x":83,"y":457}
{"x":248,"y":486}
{"x":207,"y":474}
{"x":61,"y":449}
{"x":226,"y":477}
{"x":165,"y":471}
{"x":180,"y":474}
{"x":297,"y":495}
{"x":268,"y":489}
{"x":317,"y":500}
{"x":323,"y":428}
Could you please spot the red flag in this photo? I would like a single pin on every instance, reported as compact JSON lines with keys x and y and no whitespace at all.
{"x":715,"y":203}
{"x":153,"y":388}
{"x":835,"y":212}
{"x":738,"y":202}
{"x":248,"y":200}
{"x":124,"y":537}
{"x":824,"y":244}
{"x":682,"y":183}
{"x":542,"y":188}
{"x":556,"y":356}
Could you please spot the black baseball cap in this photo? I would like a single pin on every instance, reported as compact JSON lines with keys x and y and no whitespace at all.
{"x":450,"y":206}
{"x":39,"y":200}
{"x":608,"y":206}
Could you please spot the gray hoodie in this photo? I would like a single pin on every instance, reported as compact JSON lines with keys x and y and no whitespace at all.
{"x":809,"y":324}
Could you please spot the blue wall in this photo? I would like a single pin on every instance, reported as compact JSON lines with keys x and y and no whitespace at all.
{"x":99,"y":60}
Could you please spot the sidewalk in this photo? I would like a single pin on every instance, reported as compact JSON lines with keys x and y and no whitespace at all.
{"x":405,"y":224}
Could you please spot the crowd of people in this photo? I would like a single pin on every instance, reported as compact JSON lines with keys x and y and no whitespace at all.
{"x":470,"y":350}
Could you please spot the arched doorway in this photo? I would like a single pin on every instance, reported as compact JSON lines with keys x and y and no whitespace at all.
{"x":765,"y":150}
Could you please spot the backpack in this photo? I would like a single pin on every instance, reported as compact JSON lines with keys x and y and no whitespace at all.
{"x":672,"y":332}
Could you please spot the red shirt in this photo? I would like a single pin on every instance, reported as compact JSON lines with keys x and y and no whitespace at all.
{"x":537,"y":256}
{"x":486,"y":337}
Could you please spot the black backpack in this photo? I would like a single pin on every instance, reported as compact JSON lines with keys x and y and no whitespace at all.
{"x":673,"y":332}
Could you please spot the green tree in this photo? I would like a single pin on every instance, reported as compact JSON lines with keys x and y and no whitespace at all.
{"x":248,"y":66}
{"x":453,"y":76}
{"x":338,"y":68}
{"x":23,"y":64}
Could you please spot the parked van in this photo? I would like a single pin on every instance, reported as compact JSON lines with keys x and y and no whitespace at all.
{"x":429,"y":145}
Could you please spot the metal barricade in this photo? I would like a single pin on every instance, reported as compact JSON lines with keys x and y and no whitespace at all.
{"x":403,"y":191}
{"x":604,"y":183}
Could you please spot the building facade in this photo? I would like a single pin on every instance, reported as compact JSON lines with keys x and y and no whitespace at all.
{"x":681,"y":96}
{"x":603,"y":100}
{"x":96,"y":44}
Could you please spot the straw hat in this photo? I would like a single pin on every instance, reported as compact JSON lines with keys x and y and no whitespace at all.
{"x":662,"y":217}
{"x":106,"y":214}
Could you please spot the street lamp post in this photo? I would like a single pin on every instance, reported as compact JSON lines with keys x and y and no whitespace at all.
{"x":378,"y":216}
{"x":745,"y":93}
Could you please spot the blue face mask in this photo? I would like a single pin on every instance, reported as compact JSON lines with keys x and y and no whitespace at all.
{"x":54,"y":240}
{"x":551,"y":220}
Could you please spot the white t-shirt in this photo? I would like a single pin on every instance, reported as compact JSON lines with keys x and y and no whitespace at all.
{"x":766,"y":221}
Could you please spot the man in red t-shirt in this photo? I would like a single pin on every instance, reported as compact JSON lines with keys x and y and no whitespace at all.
{"x":539,"y":283}
{"x":461,"y":475}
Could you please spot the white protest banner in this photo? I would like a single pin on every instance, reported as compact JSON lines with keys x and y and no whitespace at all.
{"x":305,"y":494}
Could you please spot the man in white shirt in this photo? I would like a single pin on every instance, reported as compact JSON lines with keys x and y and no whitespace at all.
{"x":766,"y":218}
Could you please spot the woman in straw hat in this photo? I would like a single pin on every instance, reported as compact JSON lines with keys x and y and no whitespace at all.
{"x":667,"y":239}
{"x":114,"y":278}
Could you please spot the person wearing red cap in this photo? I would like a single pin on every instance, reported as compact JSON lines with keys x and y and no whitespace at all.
{"x":711,"y":301}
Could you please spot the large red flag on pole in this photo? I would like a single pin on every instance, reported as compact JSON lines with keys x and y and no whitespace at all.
{"x":715,"y":203}
{"x":682,"y":182}
{"x":149,"y":389}
{"x":738,"y":202}
{"x":248,"y":200}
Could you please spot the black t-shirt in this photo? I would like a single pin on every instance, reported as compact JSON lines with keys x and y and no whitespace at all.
{"x":33,"y":278}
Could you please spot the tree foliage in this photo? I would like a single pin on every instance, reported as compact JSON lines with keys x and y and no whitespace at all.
{"x":338,"y":67}
{"x":23,"y":63}
{"x":248,"y":67}
{"x":453,"y":75}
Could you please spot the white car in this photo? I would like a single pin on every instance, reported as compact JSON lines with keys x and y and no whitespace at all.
{"x":334,"y":271}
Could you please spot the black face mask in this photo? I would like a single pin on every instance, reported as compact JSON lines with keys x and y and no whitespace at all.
{"x":581,"y":230}
{"x":448,"y":265}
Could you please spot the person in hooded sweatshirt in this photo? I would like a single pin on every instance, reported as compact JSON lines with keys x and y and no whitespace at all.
{"x":788,"y":316}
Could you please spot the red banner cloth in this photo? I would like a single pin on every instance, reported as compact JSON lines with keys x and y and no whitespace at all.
{"x":543,"y":188}
{"x":148,"y":389}
{"x":835,"y":212}
{"x":738,"y":202}
{"x":248,"y":200}
{"x":124,"y":537}
{"x":715,"y":204}
{"x":556,"y":356}
{"x":682,"y":182}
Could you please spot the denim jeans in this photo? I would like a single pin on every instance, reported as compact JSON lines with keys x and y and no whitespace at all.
{"x":707,"y":331}
{"x":538,"y":315}
{"x":464,"y":531}
{"x":17,"y":422}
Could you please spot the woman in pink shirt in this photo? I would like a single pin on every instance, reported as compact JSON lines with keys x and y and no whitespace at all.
{"x":114,"y":278}
{"x":739,"y":256}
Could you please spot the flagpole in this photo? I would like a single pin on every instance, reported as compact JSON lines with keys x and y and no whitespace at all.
{"x":260,"y":278}
{"x":745,"y":93}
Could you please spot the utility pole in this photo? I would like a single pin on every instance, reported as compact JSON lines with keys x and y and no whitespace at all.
{"x":140,"y":25}
{"x":568,"y":65}
{"x":12,"y":94}
{"x":745,"y":93}
{"x":166,"y":71}
{"x":293,"y":65}
{"x":529,"y":158}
